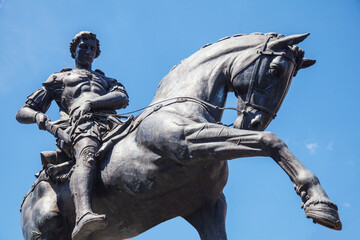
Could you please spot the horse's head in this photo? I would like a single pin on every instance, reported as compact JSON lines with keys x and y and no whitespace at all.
{"x":262,"y":85}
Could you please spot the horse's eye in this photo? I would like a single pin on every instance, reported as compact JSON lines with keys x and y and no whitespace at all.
{"x":274,"y":70}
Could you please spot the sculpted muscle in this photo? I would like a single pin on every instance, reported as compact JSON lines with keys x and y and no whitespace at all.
{"x":72,"y":88}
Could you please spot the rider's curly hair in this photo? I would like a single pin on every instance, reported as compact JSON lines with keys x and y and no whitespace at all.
{"x":84,"y":35}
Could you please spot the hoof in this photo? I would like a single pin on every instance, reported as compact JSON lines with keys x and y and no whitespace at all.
{"x":88,"y":224}
{"x":324,"y":213}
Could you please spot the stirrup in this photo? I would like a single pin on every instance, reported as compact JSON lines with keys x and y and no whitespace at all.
{"x":88,"y":224}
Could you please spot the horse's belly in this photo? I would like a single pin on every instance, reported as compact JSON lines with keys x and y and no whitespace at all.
{"x":146,"y":175}
{"x":148,"y":191}
{"x":140,"y":189}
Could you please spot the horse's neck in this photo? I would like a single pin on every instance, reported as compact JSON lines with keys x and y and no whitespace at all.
{"x":205,"y":72}
{"x":197,"y":78}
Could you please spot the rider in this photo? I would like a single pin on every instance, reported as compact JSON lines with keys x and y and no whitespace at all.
{"x":86,"y":99}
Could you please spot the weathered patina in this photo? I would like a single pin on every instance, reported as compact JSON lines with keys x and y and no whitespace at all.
{"x":171,"y":160}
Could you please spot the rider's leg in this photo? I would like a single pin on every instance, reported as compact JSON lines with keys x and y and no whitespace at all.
{"x":83,"y":176}
{"x":206,"y":141}
{"x":82,"y":185}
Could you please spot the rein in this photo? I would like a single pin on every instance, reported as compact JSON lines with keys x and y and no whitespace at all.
{"x":203,"y":103}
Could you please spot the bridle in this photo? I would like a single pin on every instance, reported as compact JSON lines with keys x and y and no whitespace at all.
{"x":248,"y":102}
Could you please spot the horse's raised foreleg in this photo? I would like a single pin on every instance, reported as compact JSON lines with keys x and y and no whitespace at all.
{"x":208,"y":141}
{"x":209,"y":221}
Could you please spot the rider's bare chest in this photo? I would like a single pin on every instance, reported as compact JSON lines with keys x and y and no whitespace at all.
{"x":84,"y":81}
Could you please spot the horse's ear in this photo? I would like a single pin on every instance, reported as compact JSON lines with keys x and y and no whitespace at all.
{"x":288,"y":41}
{"x":307,"y":62}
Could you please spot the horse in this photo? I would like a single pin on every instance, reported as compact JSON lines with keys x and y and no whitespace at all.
{"x":173,"y":160}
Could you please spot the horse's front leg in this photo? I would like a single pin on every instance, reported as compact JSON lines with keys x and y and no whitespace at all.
{"x":208,"y":141}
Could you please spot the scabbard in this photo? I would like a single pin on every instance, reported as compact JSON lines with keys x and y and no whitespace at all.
{"x":57,"y":132}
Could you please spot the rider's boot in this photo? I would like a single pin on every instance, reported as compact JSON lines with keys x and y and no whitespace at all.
{"x":317,"y":204}
{"x":82,"y":184}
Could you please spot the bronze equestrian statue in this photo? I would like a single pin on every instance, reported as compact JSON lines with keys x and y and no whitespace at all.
{"x":171,"y":160}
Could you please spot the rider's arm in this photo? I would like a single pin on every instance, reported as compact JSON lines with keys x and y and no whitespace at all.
{"x":116,"y":98}
{"x":35,"y":107}
{"x":39,"y":102}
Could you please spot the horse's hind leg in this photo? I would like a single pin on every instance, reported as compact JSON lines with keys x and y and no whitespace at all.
{"x":210,"y":220}
{"x":40,"y":215}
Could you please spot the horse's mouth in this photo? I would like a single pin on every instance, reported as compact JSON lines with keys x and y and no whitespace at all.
{"x":253,"y":124}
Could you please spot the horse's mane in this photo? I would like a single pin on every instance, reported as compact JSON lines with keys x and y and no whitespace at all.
{"x":226,"y":45}
{"x":239,"y":51}
{"x":272,"y":34}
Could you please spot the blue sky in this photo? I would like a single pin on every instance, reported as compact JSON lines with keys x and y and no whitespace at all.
{"x":141,"y":41}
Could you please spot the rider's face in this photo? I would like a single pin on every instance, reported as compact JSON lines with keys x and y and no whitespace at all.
{"x":85,"y":51}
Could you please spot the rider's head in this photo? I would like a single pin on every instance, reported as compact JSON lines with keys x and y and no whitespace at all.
{"x":84,"y":35}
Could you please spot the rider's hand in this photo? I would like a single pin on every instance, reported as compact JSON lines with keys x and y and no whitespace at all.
{"x":82,"y":110}
{"x":41,"y":119}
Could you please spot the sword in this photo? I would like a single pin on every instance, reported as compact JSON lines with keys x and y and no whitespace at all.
{"x":57,"y":132}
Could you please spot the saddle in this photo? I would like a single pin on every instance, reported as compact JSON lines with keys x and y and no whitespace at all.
{"x":58,"y":164}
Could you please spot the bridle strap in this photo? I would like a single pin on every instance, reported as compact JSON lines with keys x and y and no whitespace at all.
{"x":281,"y":54}
{"x":254,"y":78}
{"x":255,"y":71}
